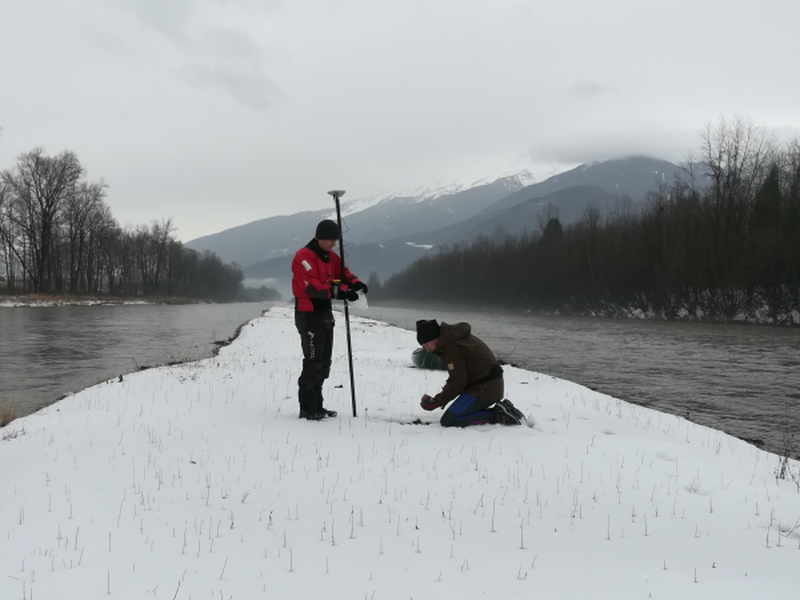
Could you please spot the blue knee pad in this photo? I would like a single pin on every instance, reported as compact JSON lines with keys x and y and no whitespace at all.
{"x":460,"y":415}
{"x":460,"y":405}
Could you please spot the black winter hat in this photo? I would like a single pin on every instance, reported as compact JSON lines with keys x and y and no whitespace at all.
{"x":427,"y":331}
{"x":327,"y":230}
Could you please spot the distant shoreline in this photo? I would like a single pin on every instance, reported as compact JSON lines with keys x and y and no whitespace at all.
{"x":12,"y":301}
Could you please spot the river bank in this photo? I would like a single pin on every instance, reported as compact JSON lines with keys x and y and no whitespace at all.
{"x":199,"y":480}
{"x":11,"y":301}
{"x":740,"y":378}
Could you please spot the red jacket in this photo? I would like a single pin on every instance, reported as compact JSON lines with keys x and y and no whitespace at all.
{"x":313,"y":270}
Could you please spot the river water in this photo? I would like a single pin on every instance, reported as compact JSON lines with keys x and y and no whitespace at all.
{"x":743,"y":379}
{"x":49,"y":351}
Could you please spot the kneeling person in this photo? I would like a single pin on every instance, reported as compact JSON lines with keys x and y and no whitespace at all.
{"x":475,"y":378}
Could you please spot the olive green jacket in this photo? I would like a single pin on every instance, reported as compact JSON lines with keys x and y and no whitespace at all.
{"x":471,"y":365}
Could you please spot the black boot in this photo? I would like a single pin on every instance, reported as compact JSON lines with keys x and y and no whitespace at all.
{"x":321,"y":402}
{"x":513,"y":409}
{"x":312,"y":414}
{"x":504,"y":416}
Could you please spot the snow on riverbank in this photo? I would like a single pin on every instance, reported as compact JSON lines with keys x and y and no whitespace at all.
{"x":198,"y":481}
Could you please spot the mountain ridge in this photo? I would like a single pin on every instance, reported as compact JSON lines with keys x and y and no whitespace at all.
{"x":385,"y":236}
{"x":394,"y":215}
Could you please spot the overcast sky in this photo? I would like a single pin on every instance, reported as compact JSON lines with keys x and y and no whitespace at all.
{"x":220,"y":112}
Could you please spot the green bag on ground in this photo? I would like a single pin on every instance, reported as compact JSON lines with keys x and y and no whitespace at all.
{"x":427,"y":360}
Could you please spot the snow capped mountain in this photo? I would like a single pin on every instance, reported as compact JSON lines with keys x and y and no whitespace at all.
{"x":513,"y":181}
{"x":510,"y":181}
{"x":349,"y":207}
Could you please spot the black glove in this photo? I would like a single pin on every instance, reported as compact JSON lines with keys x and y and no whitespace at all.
{"x":346,"y":295}
{"x":360,"y":286}
{"x":429,"y":403}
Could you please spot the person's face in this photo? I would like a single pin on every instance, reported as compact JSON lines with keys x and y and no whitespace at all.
{"x":430,"y":346}
{"x":327,"y":245}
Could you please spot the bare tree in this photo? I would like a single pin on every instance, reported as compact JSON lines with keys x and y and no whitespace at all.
{"x":738,"y":155}
{"x":80,"y":208}
{"x":102,"y":232}
{"x":57,"y":234}
{"x":6,"y":249}
{"x":161,"y":232}
{"x":40,"y":185}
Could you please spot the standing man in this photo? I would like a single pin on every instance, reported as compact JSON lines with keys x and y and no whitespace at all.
{"x":317,"y":278}
{"x":475,"y":378}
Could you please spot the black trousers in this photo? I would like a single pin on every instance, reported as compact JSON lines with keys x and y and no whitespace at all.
{"x":316,"y":337}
